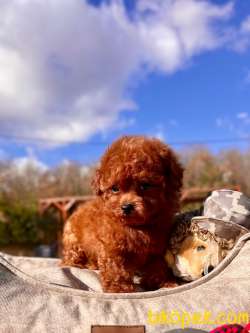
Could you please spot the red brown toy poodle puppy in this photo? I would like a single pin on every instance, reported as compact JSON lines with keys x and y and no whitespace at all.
{"x":124,"y":230}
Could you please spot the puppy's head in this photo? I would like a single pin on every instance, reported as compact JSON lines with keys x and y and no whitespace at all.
{"x":139,"y":180}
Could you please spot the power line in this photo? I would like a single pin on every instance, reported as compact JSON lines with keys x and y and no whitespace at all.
{"x":17,"y":138}
{"x":208,"y":141}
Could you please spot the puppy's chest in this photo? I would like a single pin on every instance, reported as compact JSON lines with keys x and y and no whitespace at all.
{"x":142,"y":243}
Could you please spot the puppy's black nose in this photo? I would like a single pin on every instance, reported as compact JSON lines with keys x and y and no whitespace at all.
{"x":127,"y":208}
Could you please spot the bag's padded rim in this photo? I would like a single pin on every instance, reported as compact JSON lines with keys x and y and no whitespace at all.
{"x":140,"y":295}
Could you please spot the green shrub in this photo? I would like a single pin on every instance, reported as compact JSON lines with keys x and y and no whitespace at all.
{"x":5,"y":236}
{"x":26,"y":226}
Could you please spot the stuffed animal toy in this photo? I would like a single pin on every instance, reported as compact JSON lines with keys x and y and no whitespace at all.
{"x":198,"y":244}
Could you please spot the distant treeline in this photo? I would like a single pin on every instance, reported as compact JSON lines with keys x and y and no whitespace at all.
{"x":22,"y":186}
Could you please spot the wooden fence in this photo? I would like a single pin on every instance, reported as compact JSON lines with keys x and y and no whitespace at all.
{"x":66,"y":205}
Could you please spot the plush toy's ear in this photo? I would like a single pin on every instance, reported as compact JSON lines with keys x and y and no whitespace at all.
{"x":96,"y":182}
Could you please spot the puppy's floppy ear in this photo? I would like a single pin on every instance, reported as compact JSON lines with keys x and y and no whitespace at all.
{"x":96,"y":182}
{"x":173,"y":170}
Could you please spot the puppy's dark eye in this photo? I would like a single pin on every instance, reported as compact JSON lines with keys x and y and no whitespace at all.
{"x":200,"y":248}
{"x":145,"y":186}
{"x":115,"y":189}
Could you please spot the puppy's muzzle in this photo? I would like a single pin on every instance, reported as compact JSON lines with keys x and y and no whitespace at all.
{"x":127,"y":208}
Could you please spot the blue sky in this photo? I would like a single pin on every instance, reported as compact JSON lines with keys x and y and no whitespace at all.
{"x":178,"y":70}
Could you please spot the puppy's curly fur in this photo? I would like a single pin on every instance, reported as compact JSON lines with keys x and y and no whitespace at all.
{"x":124,"y":230}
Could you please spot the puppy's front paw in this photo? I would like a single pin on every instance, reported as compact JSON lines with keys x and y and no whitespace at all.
{"x":119,"y":288}
{"x":153,"y":281}
{"x":170,"y":284}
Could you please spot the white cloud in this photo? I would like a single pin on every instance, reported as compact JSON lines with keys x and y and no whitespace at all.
{"x":66,"y":66}
{"x":242,"y":115}
{"x":161,"y":130}
{"x":158,"y":132}
{"x":21,"y":164}
{"x":247,"y":77}
{"x":226,"y":123}
{"x":241,"y":37}
{"x":24,"y":163}
{"x":159,"y":135}
{"x":237,"y":126}
{"x":245,"y":26}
